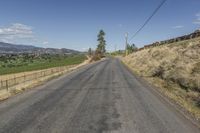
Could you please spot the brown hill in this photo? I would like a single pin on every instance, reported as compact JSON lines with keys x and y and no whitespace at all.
{"x":174,"y":68}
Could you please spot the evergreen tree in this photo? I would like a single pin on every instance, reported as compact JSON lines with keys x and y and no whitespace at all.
{"x":90,"y":52}
{"x":131,"y":48}
{"x":102,"y":43}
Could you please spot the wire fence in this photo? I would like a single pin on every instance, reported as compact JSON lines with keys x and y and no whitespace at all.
{"x":17,"y":80}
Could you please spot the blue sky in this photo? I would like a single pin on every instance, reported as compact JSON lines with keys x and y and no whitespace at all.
{"x":75,"y":23}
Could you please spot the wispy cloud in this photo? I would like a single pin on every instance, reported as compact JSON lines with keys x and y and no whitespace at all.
{"x":15,"y":31}
{"x":178,"y":27}
{"x":197,"y":21}
{"x":45,"y":42}
{"x":20,"y":33}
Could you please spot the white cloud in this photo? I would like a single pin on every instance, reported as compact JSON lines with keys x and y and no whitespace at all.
{"x":45,"y":42}
{"x":197,"y":21}
{"x":178,"y":27}
{"x":20,"y":34}
{"x":16,"y":31}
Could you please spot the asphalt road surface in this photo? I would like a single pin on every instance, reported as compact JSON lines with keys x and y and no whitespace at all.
{"x":103,"y":97}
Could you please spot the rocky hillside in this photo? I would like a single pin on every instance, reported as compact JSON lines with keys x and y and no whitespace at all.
{"x":6,"y":48}
{"x":174,"y":68}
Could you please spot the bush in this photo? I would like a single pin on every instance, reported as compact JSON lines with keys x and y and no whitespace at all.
{"x":158,"y":72}
{"x":96,"y":57}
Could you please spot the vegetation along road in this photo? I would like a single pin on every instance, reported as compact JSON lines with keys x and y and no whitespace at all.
{"x":101,"y":97}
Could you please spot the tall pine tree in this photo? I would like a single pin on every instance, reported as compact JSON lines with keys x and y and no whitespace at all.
{"x":101,"y":47}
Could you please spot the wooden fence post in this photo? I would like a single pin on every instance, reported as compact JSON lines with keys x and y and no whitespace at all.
{"x":15,"y":80}
{"x":1,"y":84}
{"x":24,"y":78}
{"x":7,"y":85}
{"x":35,"y":75}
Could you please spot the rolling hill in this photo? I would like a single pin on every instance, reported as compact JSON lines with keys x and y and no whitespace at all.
{"x":7,"y":48}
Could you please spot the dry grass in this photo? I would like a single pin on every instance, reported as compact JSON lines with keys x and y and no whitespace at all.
{"x":175,"y":69}
{"x":11,"y":76}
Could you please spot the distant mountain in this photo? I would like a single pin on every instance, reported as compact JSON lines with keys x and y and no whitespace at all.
{"x":7,"y":48}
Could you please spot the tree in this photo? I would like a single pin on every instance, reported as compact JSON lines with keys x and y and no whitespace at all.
{"x":101,"y":47}
{"x":131,"y":48}
{"x":90,"y":52}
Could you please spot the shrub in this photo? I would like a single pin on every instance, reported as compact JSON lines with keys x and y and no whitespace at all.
{"x":158,"y":72}
{"x":96,"y":57}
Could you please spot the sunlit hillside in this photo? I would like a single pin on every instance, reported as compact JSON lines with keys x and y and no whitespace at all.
{"x":174,"y":68}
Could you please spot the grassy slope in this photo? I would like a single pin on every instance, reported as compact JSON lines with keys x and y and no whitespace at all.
{"x":39,"y":64}
{"x":175,"y":69}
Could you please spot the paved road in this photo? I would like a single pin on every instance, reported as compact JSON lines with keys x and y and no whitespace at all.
{"x":100,"y":98}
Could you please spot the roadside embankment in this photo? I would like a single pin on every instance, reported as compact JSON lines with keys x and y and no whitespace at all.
{"x":174,"y":69}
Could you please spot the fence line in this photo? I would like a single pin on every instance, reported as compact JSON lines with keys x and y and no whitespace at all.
{"x":17,"y":80}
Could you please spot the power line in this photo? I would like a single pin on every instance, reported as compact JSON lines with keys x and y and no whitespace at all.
{"x":145,"y":23}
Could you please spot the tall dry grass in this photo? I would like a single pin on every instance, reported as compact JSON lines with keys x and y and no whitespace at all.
{"x":174,"y":68}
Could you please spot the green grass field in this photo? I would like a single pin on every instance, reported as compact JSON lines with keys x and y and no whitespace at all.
{"x":22,"y":63}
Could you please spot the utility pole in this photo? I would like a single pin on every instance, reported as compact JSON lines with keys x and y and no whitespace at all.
{"x":126,"y":38}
